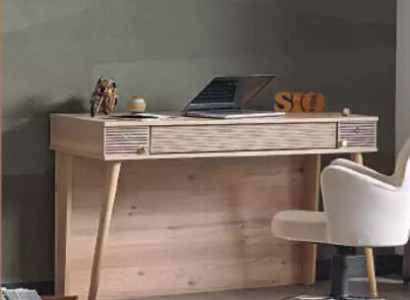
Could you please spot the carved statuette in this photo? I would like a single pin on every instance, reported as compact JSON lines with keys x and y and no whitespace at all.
{"x":104,"y":97}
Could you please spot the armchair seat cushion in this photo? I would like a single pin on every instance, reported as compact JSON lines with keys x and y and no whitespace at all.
{"x":298,"y":225}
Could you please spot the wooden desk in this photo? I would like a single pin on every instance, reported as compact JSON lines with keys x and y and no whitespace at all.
{"x":187,"y":225}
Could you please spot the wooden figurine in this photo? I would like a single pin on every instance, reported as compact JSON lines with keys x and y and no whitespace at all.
{"x":104,"y":96}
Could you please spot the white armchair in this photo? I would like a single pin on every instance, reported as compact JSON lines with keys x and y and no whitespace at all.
{"x":362,"y":208}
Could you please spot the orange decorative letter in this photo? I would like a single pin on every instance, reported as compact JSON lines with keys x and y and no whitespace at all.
{"x":297,"y":102}
{"x":283,"y":101}
{"x":319,"y":104}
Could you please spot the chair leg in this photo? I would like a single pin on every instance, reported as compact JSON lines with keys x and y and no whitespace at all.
{"x":368,"y":252}
{"x":406,"y":264}
{"x":346,"y":265}
{"x":371,"y":273}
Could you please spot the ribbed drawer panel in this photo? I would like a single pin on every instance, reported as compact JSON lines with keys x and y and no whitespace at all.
{"x":126,"y":140}
{"x":215,"y":138}
{"x":358,"y":134}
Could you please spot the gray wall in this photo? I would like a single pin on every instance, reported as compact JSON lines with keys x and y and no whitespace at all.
{"x":403,"y":73}
{"x":402,"y":77}
{"x":165,"y":50}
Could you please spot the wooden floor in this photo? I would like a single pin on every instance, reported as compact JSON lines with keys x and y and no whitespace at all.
{"x":393,"y":290}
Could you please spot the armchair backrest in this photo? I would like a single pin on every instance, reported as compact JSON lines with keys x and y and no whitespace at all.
{"x":364,"y":210}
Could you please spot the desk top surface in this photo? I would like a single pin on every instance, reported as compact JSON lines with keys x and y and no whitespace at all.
{"x":175,"y":119}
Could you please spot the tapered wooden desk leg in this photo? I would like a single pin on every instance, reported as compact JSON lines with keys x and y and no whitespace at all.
{"x":368,"y":252}
{"x":309,"y":251}
{"x":113,"y":173}
{"x":63,"y":198}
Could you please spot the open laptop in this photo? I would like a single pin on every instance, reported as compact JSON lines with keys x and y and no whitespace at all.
{"x":225,"y":96}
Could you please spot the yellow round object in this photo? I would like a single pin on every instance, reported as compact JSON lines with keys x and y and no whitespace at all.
{"x":137,"y":105}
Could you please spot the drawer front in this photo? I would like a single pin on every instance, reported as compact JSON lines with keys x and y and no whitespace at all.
{"x":214,"y":138}
{"x":357,"y":134}
{"x":126,"y":140}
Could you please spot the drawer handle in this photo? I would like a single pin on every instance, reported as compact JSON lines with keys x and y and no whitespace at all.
{"x":141,"y":150}
{"x":357,"y":130}
{"x":343,"y":144}
{"x":346,"y":112}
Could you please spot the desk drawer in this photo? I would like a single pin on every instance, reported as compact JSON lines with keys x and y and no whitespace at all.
{"x":215,"y":138}
{"x":126,"y":139}
{"x":357,"y":134}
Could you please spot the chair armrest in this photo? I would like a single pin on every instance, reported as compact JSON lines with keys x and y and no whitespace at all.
{"x":363,"y":170}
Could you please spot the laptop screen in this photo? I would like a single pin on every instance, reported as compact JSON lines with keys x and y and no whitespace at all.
{"x":229,"y":92}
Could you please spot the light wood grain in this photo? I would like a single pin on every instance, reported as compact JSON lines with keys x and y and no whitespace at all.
{"x":188,"y":225}
{"x":126,"y":139}
{"x":112,"y":139}
{"x":183,"y":226}
{"x":77,"y":136}
{"x":113,"y":172}
{"x":358,"y":134}
{"x":63,"y":201}
{"x":212,"y":138}
{"x":176,"y":119}
{"x":312,"y":189}
{"x":243,"y":154}
{"x":371,"y":272}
